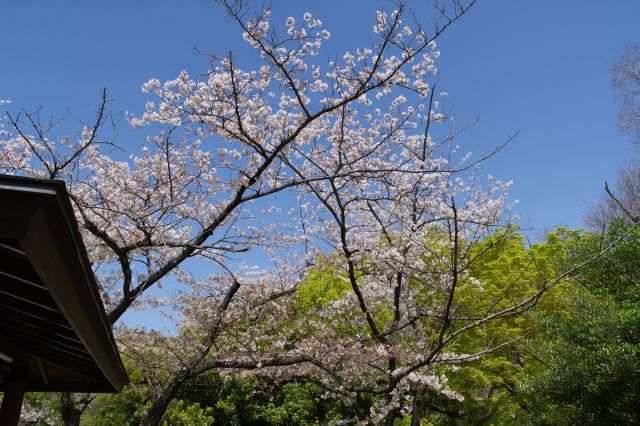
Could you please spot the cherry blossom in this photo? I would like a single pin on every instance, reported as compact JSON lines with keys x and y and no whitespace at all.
{"x":347,"y":167}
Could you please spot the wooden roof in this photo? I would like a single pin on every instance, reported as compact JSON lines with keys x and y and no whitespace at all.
{"x":50,"y":308}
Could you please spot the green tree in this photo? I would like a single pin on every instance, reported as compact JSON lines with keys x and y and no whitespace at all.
{"x":590,"y":347}
{"x":491,"y":384}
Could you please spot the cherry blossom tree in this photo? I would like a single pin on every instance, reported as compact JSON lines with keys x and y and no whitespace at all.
{"x":377,"y":193}
{"x":625,"y":80}
{"x":623,"y":202}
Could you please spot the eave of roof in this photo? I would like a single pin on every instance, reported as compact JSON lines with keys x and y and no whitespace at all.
{"x":37,"y":222}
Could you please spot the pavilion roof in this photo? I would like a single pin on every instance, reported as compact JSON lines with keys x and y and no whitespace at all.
{"x":51,"y":313}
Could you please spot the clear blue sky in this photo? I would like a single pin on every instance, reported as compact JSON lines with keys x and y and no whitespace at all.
{"x":537,"y":67}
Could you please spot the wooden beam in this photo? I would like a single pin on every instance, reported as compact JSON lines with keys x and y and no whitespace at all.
{"x":49,"y":299}
{"x":14,"y":393}
{"x":58,"y":256}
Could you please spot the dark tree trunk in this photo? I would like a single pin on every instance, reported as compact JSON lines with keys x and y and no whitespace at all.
{"x":69,"y":412}
{"x":158,"y":408}
{"x":160,"y":404}
{"x":418,"y":406}
{"x":391,"y":417}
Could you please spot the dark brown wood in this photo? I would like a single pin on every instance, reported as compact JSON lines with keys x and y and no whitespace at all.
{"x":57,"y":259}
{"x":50,"y":305}
{"x":11,"y":305}
{"x":42,"y":334}
{"x":70,"y":412}
{"x":14,"y":393}
{"x":10,"y":246}
{"x":15,"y":215}
{"x":18,"y":267}
{"x":14,"y":288}
{"x":10,"y":347}
{"x":7,"y":313}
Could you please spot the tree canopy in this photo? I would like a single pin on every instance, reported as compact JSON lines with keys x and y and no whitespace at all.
{"x":329,"y":250}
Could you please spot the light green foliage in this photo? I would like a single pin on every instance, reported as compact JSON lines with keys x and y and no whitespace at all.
{"x":579,"y":362}
{"x":180,"y":413}
{"x":321,"y":287}
{"x":125,"y":408}
{"x":313,"y":299}
{"x":504,"y":272}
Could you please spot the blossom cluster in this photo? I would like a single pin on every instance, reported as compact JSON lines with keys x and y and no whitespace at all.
{"x":345,"y":168}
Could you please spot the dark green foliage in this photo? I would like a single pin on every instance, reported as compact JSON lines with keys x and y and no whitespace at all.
{"x":579,"y":365}
{"x":231,"y":401}
{"x":590,"y":346}
{"x":249,"y":401}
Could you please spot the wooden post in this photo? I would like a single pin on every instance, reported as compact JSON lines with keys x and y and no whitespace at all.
{"x":14,"y":393}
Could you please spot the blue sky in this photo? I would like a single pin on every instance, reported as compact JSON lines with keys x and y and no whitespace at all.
{"x":539,"y":68}
{"x":535,"y":67}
